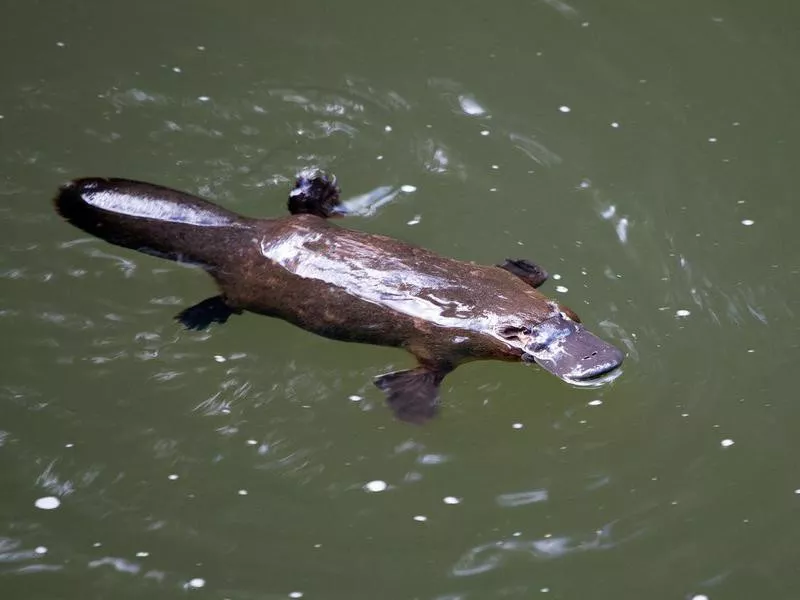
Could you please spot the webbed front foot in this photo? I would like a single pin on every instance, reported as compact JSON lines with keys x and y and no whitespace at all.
{"x":413,"y":395}
{"x":529,"y":272}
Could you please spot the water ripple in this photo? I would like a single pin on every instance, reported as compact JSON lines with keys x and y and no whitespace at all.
{"x":491,"y":555}
{"x":522,"y":498}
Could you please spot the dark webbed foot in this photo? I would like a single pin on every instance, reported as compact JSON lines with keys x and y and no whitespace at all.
{"x":413,"y":395}
{"x":201,"y":315}
{"x":315,"y":194}
{"x":529,"y":272}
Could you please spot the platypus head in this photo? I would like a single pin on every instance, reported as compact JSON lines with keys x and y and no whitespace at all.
{"x":566,"y":349}
{"x":315,"y":193}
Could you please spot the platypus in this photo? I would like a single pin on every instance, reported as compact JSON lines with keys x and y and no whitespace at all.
{"x":346,"y":284}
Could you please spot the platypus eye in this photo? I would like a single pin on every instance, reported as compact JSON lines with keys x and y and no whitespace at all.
{"x":510,"y":332}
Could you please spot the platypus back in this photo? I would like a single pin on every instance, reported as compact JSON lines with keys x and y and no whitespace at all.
{"x":146,"y":217}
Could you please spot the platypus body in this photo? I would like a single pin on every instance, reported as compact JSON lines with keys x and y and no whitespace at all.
{"x":347,"y":285}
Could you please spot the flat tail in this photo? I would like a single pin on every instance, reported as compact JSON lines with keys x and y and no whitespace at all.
{"x":143,"y":216}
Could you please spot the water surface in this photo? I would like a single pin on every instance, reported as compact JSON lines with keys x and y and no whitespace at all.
{"x":645,"y":154}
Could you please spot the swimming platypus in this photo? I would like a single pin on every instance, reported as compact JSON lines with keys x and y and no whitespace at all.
{"x":347,"y":285}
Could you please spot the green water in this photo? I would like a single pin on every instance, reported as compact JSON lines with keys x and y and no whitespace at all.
{"x":645,"y":152}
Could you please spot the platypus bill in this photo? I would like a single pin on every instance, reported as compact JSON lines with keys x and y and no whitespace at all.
{"x":348,"y":285}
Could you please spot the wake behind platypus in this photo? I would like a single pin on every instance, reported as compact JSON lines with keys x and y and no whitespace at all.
{"x":348,"y":285}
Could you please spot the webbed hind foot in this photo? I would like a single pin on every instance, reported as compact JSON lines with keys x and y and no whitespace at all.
{"x":201,"y":315}
{"x":529,"y":272}
{"x":316,"y":194}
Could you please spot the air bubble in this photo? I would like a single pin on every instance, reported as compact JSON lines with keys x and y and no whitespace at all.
{"x":376,"y":486}
{"x":47,"y":503}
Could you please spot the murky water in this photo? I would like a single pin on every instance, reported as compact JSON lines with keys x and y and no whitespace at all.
{"x":643,"y":153}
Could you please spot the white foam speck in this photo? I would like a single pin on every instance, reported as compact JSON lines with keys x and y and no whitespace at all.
{"x":219,"y":358}
{"x":726,"y":443}
{"x":622,"y":230}
{"x":470,"y":106}
{"x":556,"y":276}
{"x":355,"y":398}
{"x":545,"y":590}
{"x":203,"y":98}
{"x":242,"y":492}
{"x":451,"y":500}
{"x":517,"y":426}
{"x":615,"y":125}
{"x":797,"y":491}
{"x":97,"y":545}
{"x":595,"y":403}
{"x":295,"y":594}
{"x":197,"y":582}
{"x":142,"y":554}
{"x":495,"y":167}
{"x":415,"y":220}
{"x":376,"y":486}
{"x":408,"y":188}
{"x":387,"y":128}
{"x":485,"y":132}
{"x":682,"y":313}
{"x":201,"y":48}
{"x":700,"y":597}
{"x":420,"y":518}
{"x":609,"y":212}
{"x":69,"y":445}
{"x":176,"y":69}
{"x":564,"y":109}
{"x":712,"y":139}
{"x":747,"y":222}
{"x":252,"y":442}
{"x":60,"y":44}
{"x":172,"y":477}
{"x":47,"y":503}
{"x":379,"y":157}
{"x":562,"y":289}
{"x":40,"y":550}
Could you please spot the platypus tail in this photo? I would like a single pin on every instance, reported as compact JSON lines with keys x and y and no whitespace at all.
{"x":148,"y":217}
